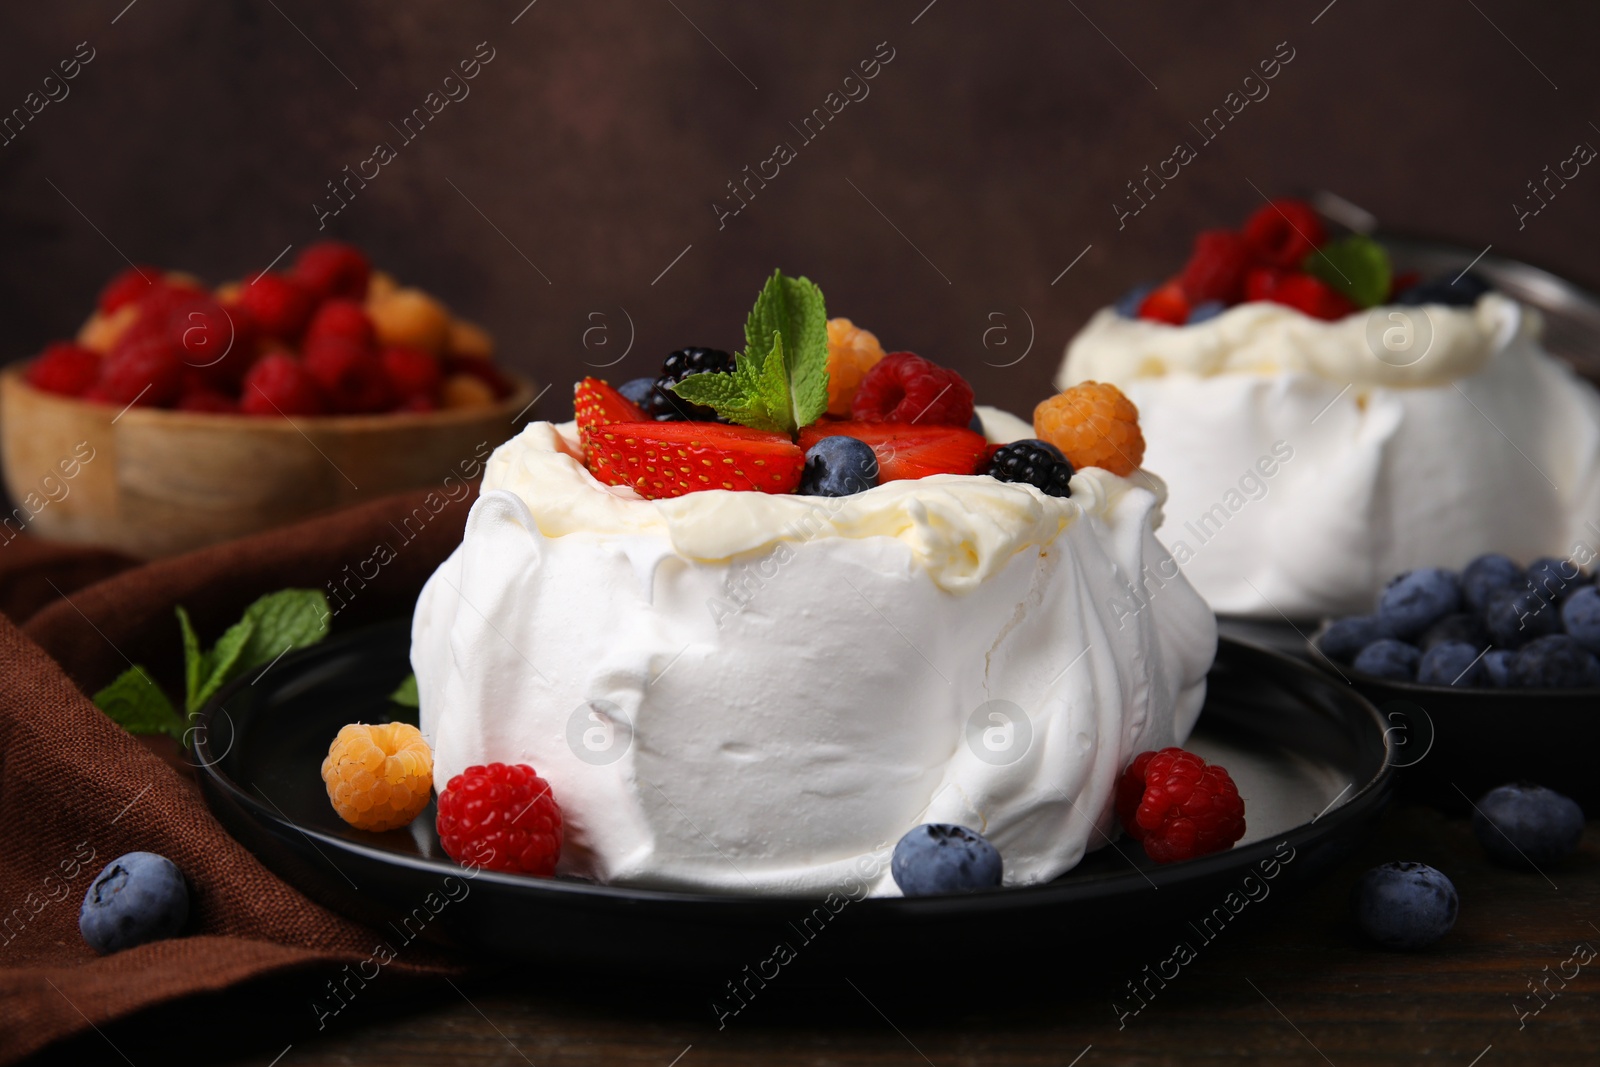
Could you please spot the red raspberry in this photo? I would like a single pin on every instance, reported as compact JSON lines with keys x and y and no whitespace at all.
{"x":352,"y":378}
{"x":207,"y":400}
{"x":1312,"y":296}
{"x":501,"y":817}
{"x":905,"y":388}
{"x":126,"y":287}
{"x":159,"y":301}
{"x":217,"y":341}
{"x":64,"y":368}
{"x":1261,"y":282}
{"x":1284,"y":233}
{"x":333,"y":269}
{"x":417,"y":404}
{"x":144,"y":371}
{"x":1166,"y":304}
{"x":344,"y":319}
{"x":1179,"y":806}
{"x":278,"y":385}
{"x":1215,"y":270}
{"x":412,"y":373}
{"x":279,"y":305}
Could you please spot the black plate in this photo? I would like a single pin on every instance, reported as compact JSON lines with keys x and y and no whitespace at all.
{"x":1312,"y":760}
{"x":1455,"y":744}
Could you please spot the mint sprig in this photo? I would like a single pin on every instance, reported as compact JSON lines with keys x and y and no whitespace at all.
{"x":272,"y":626}
{"x":1356,"y":266}
{"x":138,"y":705}
{"x":780,"y":381}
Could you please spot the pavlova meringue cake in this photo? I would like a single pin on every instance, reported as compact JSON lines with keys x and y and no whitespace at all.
{"x":731,"y":685}
{"x":1327,"y":428}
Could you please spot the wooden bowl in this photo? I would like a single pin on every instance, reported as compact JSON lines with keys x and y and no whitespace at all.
{"x":152,"y":482}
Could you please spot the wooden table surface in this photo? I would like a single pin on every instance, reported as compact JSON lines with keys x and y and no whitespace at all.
{"x":1287,"y":983}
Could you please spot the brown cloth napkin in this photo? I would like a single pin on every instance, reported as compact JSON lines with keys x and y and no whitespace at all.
{"x":76,"y":791}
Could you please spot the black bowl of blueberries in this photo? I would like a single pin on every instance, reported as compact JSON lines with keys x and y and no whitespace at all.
{"x":1486,"y":674}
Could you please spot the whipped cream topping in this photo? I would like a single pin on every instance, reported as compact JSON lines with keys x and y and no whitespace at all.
{"x":1266,"y":338}
{"x":1299,"y":489}
{"x":960,"y":529}
{"x":758,"y":694}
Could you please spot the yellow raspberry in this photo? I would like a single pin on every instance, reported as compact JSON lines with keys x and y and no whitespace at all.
{"x":101,"y":332}
{"x":852,"y":352}
{"x":378,"y":777}
{"x":1094,"y":425}
{"x":468,"y":340}
{"x":410,"y":318}
{"x":380,"y":285}
{"x":465,"y":391}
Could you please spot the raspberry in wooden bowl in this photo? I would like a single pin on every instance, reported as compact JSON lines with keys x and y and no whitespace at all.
{"x":180,"y":415}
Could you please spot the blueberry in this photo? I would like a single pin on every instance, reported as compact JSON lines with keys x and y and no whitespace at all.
{"x":1457,"y":627}
{"x":1516,"y":618}
{"x":1555,"y":661}
{"x":1450,"y":289}
{"x":1526,"y":824}
{"x":1128,"y":306}
{"x":1451,"y":663}
{"x":1417,"y":599}
{"x":976,"y":424}
{"x":1034,"y":462}
{"x":1342,"y":639}
{"x":1206,"y":309}
{"x":1405,"y":905}
{"x":1499,"y":668}
{"x":1388,"y":658}
{"x":1487,"y":575}
{"x":1580,"y":615}
{"x":638,"y":390}
{"x":839,"y":466}
{"x":137,"y":898}
{"x":940,"y":858}
{"x":1555,"y":579}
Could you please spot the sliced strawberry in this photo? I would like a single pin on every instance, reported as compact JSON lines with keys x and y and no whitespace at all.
{"x":667,"y":459}
{"x":907,"y":450}
{"x":594,"y":403}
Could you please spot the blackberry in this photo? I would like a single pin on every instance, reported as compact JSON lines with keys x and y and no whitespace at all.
{"x":664,"y":405}
{"x":1038,"y":463}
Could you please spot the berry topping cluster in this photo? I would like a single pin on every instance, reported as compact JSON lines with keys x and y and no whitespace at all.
{"x":329,"y":337}
{"x":1283,"y":255}
{"x":814,"y":406}
{"x":1492,"y":625}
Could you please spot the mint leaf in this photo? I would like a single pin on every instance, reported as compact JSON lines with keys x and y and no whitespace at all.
{"x":794,"y":308}
{"x":405,"y":693}
{"x":780,"y":381}
{"x":138,"y":705}
{"x":272,"y":626}
{"x":194,"y":661}
{"x":733,"y":396}
{"x":218,"y":666}
{"x":756,"y":394}
{"x":1356,"y":266}
{"x":285,"y":620}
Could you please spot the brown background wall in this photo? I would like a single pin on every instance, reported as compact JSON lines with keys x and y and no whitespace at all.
{"x":597,"y":139}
